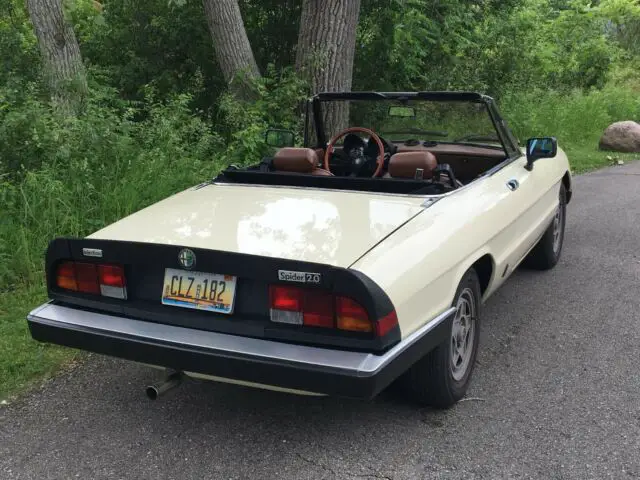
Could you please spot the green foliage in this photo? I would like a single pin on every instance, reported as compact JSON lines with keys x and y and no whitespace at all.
{"x":70,"y":176}
{"x":244,"y":122}
{"x":492,"y":46}
{"x":272,"y":28}
{"x":575,"y":117}
{"x":20,"y":56}
{"x":151,"y":44}
{"x":91,"y":171}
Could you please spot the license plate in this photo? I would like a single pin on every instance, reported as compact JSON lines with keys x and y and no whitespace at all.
{"x":199,"y":290}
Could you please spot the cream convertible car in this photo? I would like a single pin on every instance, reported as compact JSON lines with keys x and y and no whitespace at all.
{"x":358,"y":261}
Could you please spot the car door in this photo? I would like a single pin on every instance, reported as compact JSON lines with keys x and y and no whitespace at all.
{"x":527,"y":202}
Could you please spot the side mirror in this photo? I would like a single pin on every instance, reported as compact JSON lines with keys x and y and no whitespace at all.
{"x":279,"y":138}
{"x":542,"y":147}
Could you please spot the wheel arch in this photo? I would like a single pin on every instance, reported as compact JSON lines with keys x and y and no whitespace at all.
{"x":484,"y":265}
{"x":566,"y":181}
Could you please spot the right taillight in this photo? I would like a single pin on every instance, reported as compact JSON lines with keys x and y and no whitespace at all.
{"x":317,"y":308}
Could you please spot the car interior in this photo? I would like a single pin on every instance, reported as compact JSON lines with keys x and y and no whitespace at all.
{"x":358,"y":158}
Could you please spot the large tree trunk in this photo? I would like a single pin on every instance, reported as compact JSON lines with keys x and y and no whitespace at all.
{"x":326,"y":47}
{"x":61,"y":57}
{"x":230,"y":41}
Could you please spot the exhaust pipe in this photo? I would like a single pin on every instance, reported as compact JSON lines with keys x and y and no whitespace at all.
{"x":173,"y":380}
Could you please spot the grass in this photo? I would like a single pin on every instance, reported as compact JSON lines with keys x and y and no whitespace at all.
{"x":24,"y":361}
{"x":576,"y":118}
{"x":584,"y":158}
{"x":103,"y":167}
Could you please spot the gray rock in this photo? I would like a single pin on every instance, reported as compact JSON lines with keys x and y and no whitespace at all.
{"x":621,"y":137}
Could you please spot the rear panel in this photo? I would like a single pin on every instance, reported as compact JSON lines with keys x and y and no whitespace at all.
{"x":145,"y":265}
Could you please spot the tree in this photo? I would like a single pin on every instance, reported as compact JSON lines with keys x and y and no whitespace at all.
{"x":60,"y":52}
{"x":326,"y":48}
{"x":230,"y":41}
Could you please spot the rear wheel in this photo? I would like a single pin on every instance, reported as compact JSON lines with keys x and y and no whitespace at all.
{"x":442,"y":377}
{"x":546,"y":253}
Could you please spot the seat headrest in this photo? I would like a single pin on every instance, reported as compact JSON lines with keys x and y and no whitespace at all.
{"x":417,"y":165}
{"x":290,"y":159}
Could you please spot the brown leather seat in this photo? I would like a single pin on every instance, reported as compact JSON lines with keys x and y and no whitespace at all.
{"x":418,"y":165}
{"x":298,"y":160}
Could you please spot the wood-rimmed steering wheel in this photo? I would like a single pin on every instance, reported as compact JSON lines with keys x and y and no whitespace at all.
{"x":330,"y":147}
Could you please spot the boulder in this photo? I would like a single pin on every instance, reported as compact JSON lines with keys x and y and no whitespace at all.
{"x":621,"y":137}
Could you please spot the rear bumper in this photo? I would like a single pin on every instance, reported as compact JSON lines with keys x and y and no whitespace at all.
{"x":284,"y":365}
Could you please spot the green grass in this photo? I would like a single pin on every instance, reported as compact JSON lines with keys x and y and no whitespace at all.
{"x":24,"y":361}
{"x":577,"y":119}
{"x":584,"y":158}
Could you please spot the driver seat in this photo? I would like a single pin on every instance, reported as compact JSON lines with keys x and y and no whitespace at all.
{"x":298,"y":160}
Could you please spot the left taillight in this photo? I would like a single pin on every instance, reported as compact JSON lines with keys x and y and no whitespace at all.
{"x":107,"y":280}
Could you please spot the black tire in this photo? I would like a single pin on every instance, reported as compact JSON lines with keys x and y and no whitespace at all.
{"x":430,"y":381}
{"x":546,"y":253}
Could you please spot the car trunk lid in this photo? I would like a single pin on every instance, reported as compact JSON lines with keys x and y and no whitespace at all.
{"x":311,"y":225}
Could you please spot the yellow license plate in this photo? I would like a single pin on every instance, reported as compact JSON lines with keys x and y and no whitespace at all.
{"x":200,"y":290}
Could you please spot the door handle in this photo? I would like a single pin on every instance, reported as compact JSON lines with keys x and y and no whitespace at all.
{"x":513,"y":184}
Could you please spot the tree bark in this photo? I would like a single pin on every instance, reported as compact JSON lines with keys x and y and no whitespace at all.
{"x":60,"y":52}
{"x":230,"y":41}
{"x":326,"y":48}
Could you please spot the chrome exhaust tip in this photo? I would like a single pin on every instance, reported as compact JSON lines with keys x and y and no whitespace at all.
{"x":171,"y":381}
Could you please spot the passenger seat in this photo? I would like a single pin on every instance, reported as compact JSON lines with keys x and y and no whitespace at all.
{"x":418,"y":165}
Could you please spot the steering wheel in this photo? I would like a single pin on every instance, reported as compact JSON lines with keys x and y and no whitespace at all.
{"x":330,"y":147}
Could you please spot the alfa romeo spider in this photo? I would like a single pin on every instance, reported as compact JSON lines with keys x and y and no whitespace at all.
{"x":358,"y":260}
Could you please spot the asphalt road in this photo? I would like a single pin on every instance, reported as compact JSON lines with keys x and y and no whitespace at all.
{"x":556,"y":393}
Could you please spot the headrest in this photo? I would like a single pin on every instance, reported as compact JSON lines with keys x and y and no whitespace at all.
{"x":290,"y":159}
{"x":416,"y":165}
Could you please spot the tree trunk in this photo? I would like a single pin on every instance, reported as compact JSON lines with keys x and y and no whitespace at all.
{"x":230,"y":42}
{"x":61,"y":57}
{"x":326,"y":47}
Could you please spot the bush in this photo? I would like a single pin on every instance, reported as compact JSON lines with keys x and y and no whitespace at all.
{"x":87,"y":172}
{"x":574,"y":117}
{"x":277,"y":104}
{"x":71,"y":176}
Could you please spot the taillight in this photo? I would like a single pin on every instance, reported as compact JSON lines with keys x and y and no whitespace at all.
{"x":66,"y":276}
{"x":317,"y":308}
{"x":352,"y":316}
{"x":286,"y":304}
{"x":97,"y":279}
{"x":87,"y":278}
{"x":300,"y":307}
{"x":386,"y":323}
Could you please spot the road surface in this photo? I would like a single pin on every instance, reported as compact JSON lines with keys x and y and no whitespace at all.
{"x":556,"y":393}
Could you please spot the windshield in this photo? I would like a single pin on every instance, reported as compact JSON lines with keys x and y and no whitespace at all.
{"x":412,"y":120}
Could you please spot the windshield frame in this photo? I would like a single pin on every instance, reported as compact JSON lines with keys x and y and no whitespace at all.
{"x":507,"y":140}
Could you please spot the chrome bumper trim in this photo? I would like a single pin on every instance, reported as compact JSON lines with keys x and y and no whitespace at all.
{"x":360,"y":364}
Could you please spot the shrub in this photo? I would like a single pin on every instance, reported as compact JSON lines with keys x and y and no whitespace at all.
{"x":89,"y":171}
